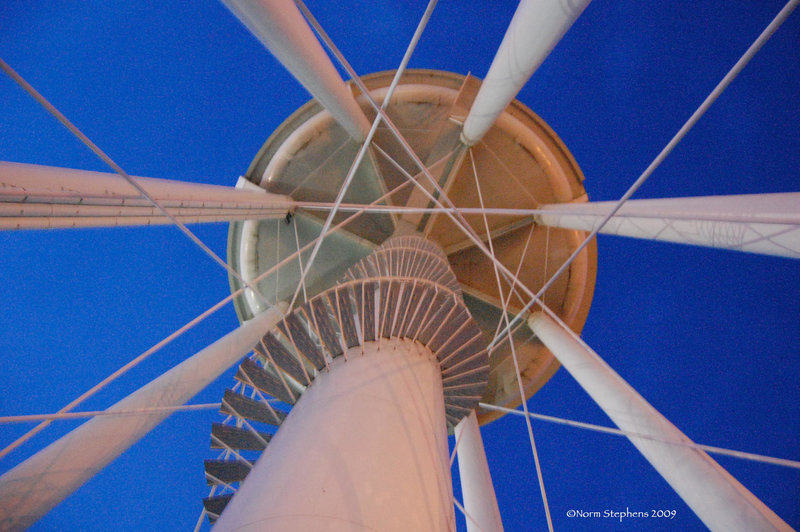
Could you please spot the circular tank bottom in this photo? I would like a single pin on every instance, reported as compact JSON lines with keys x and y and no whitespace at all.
{"x":519,"y":164}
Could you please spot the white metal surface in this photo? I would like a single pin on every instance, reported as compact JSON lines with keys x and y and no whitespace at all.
{"x":35,"y":197}
{"x":364,"y":448}
{"x":685,"y":128}
{"x":36,"y":485}
{"x":758,"y":223}
{"x":480,"y":501}
{"x":534,"y":31}
{"x":280,"y":26}
{"x":718,"y":499}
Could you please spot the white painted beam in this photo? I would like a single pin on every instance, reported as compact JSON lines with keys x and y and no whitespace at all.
{"x":280,"y":26}
{"x":718,"y":499}
{"x":15,"y":223}
{"x":34,"y":487}
{"x":758,"y":223}
{"x":534,"y":31}
{"x":37,"y":197}
{"x":480,"y":501}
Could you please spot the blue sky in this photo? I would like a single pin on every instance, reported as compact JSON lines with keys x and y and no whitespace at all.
{"x":709,"y":337}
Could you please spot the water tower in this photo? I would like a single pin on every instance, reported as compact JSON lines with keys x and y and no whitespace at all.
{"x":405,"y":291}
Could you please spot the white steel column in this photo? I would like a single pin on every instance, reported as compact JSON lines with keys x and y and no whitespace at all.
{"x":480,"y":501}
{"x":364,"y":448}
{"x":280,"y":26}
{"x":37,"y":197}
{"x":32,"y":488}
{"x":718,"y":499}
{"x":534,"y":31}
{"x":758,"y":223}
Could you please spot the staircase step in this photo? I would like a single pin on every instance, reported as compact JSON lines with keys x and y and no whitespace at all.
{"x":366,"y":309}
{"x":240,"y":405}
{"x":251,"y":373}
{"x":344,"y":297}
{"x":238,"y":438}
{"x":302,"y":340}
{"x":402,"y":307}
{"x":325,"y":325}
{"x":477,"y":361}
{"x":466,"y":344}
{"x":457,"y":378}
{"x":442,"y":305}
{"x":226,"y":471}
{"x":457,"y":322}
{"x":284,"y":359}
{"x":477,"y":389}
{"x":392,"y":308}
{"x":421,"y":303}
{"x":215,"y":505}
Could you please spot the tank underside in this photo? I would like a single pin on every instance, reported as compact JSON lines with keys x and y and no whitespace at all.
{"x":519,"y":164}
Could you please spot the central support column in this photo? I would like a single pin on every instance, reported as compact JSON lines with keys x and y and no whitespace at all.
{"x":365,"y":448}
